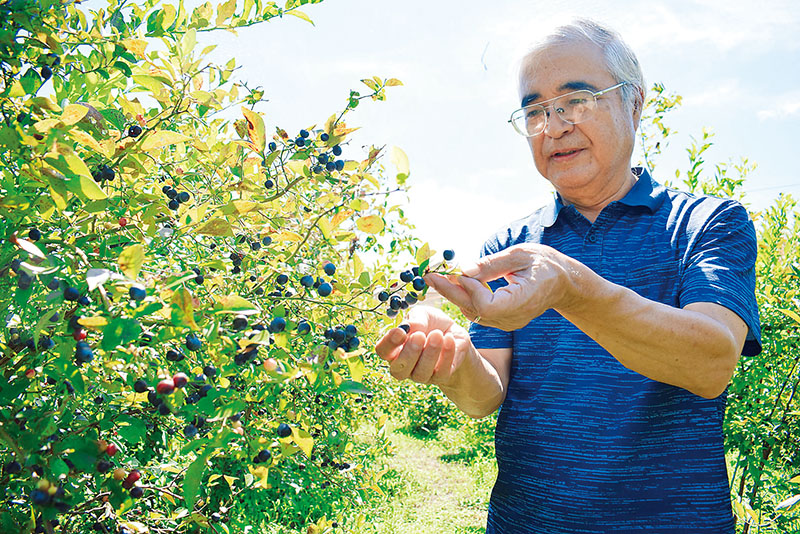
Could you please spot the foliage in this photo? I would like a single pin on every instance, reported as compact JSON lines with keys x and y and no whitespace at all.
{"x":762,"y":430}
{"x":187,"y":314}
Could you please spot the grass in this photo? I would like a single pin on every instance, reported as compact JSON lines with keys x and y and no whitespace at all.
{"x":438,"y":485}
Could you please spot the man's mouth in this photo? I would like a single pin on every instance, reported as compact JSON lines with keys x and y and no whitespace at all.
{"x":565,"y":153}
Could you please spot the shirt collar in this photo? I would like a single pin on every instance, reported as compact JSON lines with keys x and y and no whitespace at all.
{"x":645,"y":192}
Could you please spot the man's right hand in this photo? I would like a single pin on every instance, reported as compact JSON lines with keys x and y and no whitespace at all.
{"x":432,"y":350}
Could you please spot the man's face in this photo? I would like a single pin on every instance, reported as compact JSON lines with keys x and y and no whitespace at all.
{"x":589,"y":160}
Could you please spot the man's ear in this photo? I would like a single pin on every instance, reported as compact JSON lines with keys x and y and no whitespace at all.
{"x":638,"y":106}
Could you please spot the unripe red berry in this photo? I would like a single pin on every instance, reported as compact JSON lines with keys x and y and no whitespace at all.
{"x":180,"y":380}
{"x":111,"y":450}
{"x":79,"y":334}
{"x":123,"y":221}
{"x":165,"y":387}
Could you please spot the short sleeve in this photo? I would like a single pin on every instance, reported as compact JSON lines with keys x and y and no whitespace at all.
{"x":487,"y":337}
{"x":720,"y":268}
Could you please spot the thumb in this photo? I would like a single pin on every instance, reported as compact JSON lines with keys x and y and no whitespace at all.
{"x":497,"y":265}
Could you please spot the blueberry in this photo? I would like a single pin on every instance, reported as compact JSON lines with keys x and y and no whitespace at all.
{"x":171,"y":193}
{"x":330,"y":166}
{"x":71,"y":294}
{"x":350,"y":331}
{"x":415,"y":270}
{"x":190,"y":431}
{"x":406,"y":328}
{"x":338,"y":335}
{"x":40,"y":498}
{"x":54,"y":284}
{"x":303,"y":327}
{"x":411,"y":297}
{"x":46,"y":72}
{"x":406,"y":276}
{"x":267,"y":241}
{"x":140,"y":386}
{"x":240,"y":322}
{"x":307,"y":281}
{"x":193,"y":343}
{"x":324,"y":289}
{"x":183,"y":196}
{"x":324,"y":137}
{"x":34,"y":234}
{"x":329,"y":269}
{"x":300,"y":141}
{"x":199,"y":279}
{"x":278,"y":324}
{"x":322,"y":158}
{"x":135,"y":131}
{"x":210,"y":371}
{"x":282,"y":279}
{"x":264,"y":455}
{"x":13,"y":467}
{"x":418,"y":283}
{"x":137,"y":293}
{"x":173,"y":205}
{"x":174,"y":355}
{"x":106,"y":173}
{"x":137,"y":492}
{"x":165,"y":189}
{"x":284,"y":430}
{"x":269,"y":184}
{"x":272,"y":147}
{"x":339,"y":165}
{"x":317,"y":169}
{"x":103,"y":466}
{"x":448,"y":255}
{"x":337,"y":150}
{"x":304,"y":134}
{"x":84,"y":300}
{"x":163,"y":409}
{"x":395,"y":302}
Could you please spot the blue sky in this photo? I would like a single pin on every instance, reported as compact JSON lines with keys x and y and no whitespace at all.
{"x":735,"y":64}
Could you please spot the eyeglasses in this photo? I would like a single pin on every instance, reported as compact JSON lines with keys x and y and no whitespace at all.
{"x":574,"y":108}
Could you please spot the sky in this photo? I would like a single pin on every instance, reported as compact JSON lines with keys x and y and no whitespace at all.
{"x":734,"y":63}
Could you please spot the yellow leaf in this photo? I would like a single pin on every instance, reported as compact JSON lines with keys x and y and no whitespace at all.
{"x":370,"y":224}
{"x":135,"y":46}
{"x":168,"y":497}
{"x":255,"y":128}
{"x":392,"y":82}
{"x":300,"y":15}
{"x":86,"y":140}
{"x":183,"y":309}
{"x":423,"y":253}
{"x":130,"y":261}
{"x":73,"y":113}
{"x":224,"y":11}
{"x":303,"y":440}
{"x":400,"y":160}
{"x":215,"y":227}
{"x":234,"y":304}
{"x":287,"y":236}
{"x":229,"y":480}
{"x":163,"y":138}
{"x":214,"y":477}
{"x":238,"y":207}
{"x":325,"y":226}
{"x":791,"y":314}
{"x":93,"y":322}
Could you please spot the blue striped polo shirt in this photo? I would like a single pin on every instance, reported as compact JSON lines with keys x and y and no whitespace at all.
{"x":585,"y":445}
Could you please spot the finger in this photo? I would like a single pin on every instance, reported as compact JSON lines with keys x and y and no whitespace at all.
{"x":452,"y":292}
{"x":388,"y":346}
{"x":444,"y":367}
{"x":480,"y":296}
{"x":498,"y":265}
{"x":418,"y":319}
{"x":427,"y":361}
{"x":402,"y":366}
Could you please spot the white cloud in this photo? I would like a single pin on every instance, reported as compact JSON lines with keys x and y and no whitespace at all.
{"x":785,"y":106}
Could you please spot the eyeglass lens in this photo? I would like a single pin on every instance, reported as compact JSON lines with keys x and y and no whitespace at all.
{"x":573,"y":108}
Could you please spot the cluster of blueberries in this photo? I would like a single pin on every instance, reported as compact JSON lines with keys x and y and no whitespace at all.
{"x":397,"y":296}
{"x":343,"y":337}
{"x":175,"y":198}
{"x":325,"y":161}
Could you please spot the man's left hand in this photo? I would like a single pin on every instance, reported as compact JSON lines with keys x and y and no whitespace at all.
{"x":538,"y":279}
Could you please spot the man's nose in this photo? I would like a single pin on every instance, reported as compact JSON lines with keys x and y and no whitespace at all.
{"x":556,"y":126}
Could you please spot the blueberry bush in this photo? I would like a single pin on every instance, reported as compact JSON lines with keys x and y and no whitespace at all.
{"x":188,"y":316}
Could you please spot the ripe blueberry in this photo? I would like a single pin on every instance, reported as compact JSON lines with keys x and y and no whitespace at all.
{"x":278,"y":324}
{"x":406,"y":276}
{"x":329,"y":269}
{"x":272,"y":147}
{"x":448,"y":255}
{"x":418,"y":283}
{"x":324,"y":137}
{"x":193,"y":343}
{"x":34,"y":234}
{"x":140,"y":386}
{"x":71,"y":294}
{"x":135,"y":131}
{"x":324,"y":289}
{"x":337,"y":150}
{"x":304,"y":134}
{"x":282,"y":279}
{"x":284,"y":430}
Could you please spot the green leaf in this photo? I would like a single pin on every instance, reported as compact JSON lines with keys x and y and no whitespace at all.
{"x":124,"y":68}
{"x":131,"y":429}
{"x":354,"y":388}
{"x":193,"y":478}
{"x":120,"y":332}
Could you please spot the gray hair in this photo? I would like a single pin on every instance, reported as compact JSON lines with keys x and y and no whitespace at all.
{"x":620,"y":59}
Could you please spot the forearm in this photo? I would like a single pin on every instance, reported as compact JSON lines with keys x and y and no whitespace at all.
{"x":676,"y":346}
{"x":476,"y":387}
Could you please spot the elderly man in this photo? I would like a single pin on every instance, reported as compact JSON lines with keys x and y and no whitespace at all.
{"x":613,"y":322}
